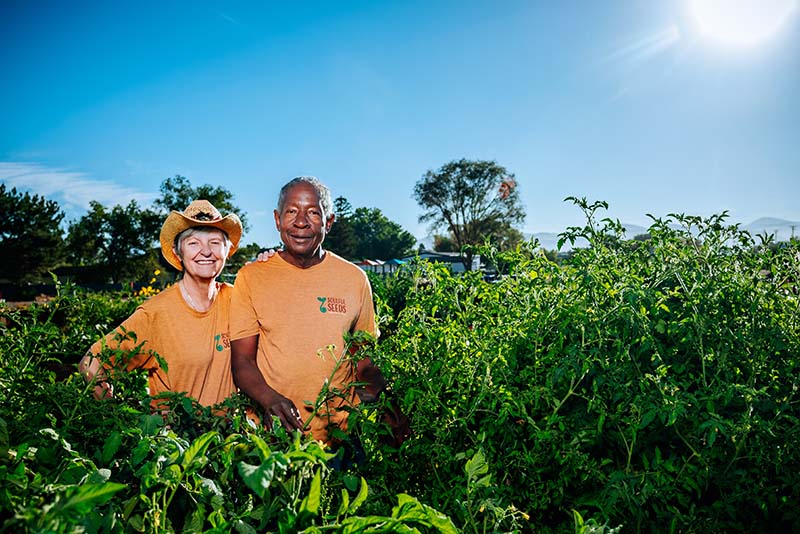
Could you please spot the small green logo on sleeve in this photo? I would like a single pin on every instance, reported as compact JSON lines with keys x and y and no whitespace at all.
{"x":322,"y":307}
{"x":222,"y":341}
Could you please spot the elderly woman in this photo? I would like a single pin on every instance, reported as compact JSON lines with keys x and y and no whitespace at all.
{"x":186,"y":324}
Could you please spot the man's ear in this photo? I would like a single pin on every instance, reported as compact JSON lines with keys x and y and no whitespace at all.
{"x":277,"y":220}
{"x":329,"y":223}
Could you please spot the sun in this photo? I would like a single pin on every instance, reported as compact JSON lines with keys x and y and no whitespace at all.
{"x":741,"y":22}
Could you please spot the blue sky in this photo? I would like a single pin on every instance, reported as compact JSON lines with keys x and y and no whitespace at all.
{"x":633,"y":102}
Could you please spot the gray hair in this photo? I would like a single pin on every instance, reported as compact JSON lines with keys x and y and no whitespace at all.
{"x":322,"y":191}
{"x":200,"y":230}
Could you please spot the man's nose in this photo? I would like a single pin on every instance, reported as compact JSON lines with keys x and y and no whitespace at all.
{"x":301,"y":219}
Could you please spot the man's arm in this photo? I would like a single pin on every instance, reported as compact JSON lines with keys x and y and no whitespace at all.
{"x":247,"y":377}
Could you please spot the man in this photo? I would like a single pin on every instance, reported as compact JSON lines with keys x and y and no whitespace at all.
{"x":289,"y":317}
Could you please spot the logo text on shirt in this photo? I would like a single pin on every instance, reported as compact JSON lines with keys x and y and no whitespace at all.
{"x":332,"y":305}
{"x":222,"y":341}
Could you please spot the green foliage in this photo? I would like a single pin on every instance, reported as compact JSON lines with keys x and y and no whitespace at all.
{"x":244,"y":254}
{"x":31,"y":239}
{"x":342,"y":239}
{"x":473,"y":201}
{"x":366,"y":233}
{"x":378,"y":237}
{"x":118,"y":244}
{"x":71,"y":464}
{"x":650,"y":384}
{"x":443,"y":243}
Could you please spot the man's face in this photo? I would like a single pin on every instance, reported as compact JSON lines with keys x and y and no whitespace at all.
{"x":301,"y":222}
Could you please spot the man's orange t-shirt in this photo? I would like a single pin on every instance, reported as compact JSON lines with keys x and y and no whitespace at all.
{"x":301,"y":317}
{"x":195,"y":345}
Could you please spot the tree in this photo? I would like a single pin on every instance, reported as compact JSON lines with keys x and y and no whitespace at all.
{"x":342,"y":239}
{"x":443,"y":243}
{"x":31,"y":238}
{"x":244,"y":254}
{"x":472,"y":200}
{"x":177,"y":193}
{"x":378,"y":237}
{"x":120,"y":244}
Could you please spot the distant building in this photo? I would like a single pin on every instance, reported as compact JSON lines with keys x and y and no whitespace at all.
{"x":380,"y":266}
{"x":454,"y":259}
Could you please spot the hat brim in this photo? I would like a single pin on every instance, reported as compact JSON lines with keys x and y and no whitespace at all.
{"x":177,"y":222}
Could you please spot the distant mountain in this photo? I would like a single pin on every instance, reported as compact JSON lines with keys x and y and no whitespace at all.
{"x":781,"y":228}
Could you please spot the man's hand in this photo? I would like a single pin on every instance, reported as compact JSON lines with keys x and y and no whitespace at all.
{"x":283,"y":409}
{"x":248,"y":378}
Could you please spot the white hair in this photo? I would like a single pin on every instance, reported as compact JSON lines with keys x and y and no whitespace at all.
{"x":322,"y":190}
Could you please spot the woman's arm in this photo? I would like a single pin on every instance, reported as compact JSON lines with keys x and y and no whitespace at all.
{"x":92,"y":370}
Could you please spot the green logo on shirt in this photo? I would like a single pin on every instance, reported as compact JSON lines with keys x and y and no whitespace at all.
{"x":222,"y":341}
{"x":335,"y":305}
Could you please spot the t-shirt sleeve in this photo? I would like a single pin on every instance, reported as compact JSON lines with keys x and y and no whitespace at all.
{"x":244,"y":322}
{"x":365,"y":321}
{"x":132,"y":333}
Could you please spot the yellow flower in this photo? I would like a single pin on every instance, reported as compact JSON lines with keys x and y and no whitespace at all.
{"x":157,"y":272}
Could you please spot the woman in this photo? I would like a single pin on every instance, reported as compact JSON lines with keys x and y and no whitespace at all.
{"x":187,"y":323}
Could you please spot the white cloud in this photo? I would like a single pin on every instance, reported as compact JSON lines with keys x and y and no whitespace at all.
{"x":73,"y":190}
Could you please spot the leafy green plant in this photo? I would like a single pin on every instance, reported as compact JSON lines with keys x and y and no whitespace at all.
{"x":645,"y":383}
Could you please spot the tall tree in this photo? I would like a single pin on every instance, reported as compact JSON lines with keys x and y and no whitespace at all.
{"x":443,"y":243}
{"x":472,"y":200}
{"x":378,"y":237}
{"x":342,"y":238}
{"x":31,"y":238}
{"x":178,"y":192}
{"x":120,"y":243}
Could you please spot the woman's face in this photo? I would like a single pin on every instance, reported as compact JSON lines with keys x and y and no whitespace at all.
{"x":203,"y":254}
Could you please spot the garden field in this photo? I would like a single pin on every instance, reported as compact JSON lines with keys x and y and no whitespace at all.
{"x":647,"y":385}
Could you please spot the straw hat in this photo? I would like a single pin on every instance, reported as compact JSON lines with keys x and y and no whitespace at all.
{"x":198,"y":213}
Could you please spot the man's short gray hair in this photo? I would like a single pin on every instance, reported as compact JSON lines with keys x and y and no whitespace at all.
{"x":322,"y":191}
{"x":199,"y":230}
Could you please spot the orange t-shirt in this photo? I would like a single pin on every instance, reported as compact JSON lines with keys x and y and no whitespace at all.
{"x":195,"y":345}
{"x":301,"y":316}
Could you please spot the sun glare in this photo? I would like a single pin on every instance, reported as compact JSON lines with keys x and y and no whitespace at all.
{"x":741,"y":22}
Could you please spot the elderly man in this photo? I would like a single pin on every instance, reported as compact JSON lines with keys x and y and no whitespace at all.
{"x":289,"y":317}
